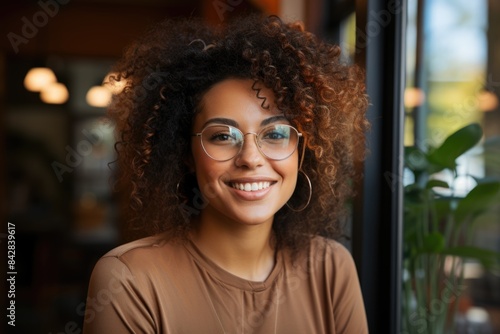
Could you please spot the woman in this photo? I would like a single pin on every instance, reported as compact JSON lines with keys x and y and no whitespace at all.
{"x":238,"y":146}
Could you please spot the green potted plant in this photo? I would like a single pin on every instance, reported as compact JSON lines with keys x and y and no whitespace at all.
{"x":438,"y":233}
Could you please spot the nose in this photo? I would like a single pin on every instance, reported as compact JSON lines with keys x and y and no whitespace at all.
{"x":249,"y":155}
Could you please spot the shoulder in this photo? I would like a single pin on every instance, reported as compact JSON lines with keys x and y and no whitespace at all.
{"x":141,"y":256}
{"x":138,"y":265}
{"x":331,"y":259}
{"x":148,"y":244}
{"x":319,"y":242}
{"x":331,"y":267}
{"x":121,"y":291}
{"x":324,"y":258}
{"x":329,"y":249}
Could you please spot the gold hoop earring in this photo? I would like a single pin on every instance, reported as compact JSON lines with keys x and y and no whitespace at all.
{"x":309,"y":195}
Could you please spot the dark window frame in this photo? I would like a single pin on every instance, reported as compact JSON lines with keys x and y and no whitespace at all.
{"x":378,"y":208}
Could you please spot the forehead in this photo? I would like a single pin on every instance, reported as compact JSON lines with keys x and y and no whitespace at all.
{"x":238,"y":99}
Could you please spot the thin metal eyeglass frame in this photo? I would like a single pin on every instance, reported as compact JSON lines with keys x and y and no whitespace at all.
{"x":199,"y":134}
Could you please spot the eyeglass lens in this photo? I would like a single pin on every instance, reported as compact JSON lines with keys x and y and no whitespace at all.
{"x":223,"y":142}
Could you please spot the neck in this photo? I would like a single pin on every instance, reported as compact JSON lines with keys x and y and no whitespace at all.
{"x":244,"y":250}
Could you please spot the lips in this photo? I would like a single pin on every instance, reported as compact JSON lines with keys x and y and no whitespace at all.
{"x":251,"y":186}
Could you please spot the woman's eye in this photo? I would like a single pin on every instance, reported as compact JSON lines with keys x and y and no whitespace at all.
{"x":277,"y":133}
{"x":274,"y":135}
{"x":221,"y":137}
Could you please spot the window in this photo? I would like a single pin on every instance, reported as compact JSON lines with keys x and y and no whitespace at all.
{"x":451,"y":232}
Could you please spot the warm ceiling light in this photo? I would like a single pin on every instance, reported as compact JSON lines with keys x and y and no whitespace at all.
{"x":54,"y":93}
{"x":414,"y":97}
{"x":113,"y":85}
{"x":39,"y":77}
{"x":99,"y":96}
{"x":487,"y":101}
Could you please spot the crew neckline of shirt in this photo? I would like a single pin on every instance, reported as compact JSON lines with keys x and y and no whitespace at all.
{"x":228,"y":278}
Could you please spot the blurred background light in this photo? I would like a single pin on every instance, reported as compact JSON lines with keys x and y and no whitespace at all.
{"x":487,"y":101}
{"x":414,"y":97}
{"x":54,"y":93}
{"x":39,"y":77}
{"x":99,"y":96}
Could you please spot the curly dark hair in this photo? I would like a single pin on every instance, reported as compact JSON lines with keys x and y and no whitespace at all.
{"x":176,"y":62}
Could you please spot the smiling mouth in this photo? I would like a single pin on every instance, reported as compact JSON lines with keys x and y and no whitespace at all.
{"x":251,"y":186}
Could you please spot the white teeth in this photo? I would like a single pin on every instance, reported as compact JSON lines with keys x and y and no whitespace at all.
{"x":251,"y":186}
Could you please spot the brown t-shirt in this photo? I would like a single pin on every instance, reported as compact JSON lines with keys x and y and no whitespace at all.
{"x":157,"y":286}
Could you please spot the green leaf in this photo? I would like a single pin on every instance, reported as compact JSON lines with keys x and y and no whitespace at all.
{"x":442,"y":208}
{"x":436,"y":183}
{"x":477,"y":200}
{"x":415,"y":159}
{"x":455,"y":145}
{"x":433,"y":242}
{"x":414,"y":194}
{"x":485,"y":256}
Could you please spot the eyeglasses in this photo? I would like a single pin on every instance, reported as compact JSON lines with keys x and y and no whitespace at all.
{"x":224,"y":142}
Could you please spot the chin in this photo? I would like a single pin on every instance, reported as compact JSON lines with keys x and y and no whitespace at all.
{"x":255,"y":220}
{"x":249,"y":216}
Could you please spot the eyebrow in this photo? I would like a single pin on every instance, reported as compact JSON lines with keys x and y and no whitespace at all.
{"x":273,"y":119}
{"x":231,"y":122}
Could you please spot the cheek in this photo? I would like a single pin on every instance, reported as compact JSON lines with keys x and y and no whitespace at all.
{"x":202,"y":163}
{"x":205,"y":169}
{"x":288,"y":169}
{"x":209,"y":173}
{"x":292,"y":181}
